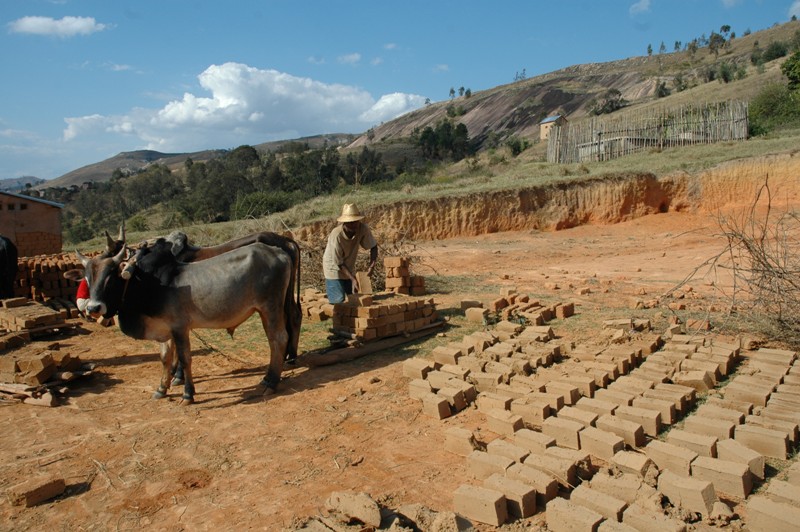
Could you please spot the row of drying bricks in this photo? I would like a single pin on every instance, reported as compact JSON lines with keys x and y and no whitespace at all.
{"x":720,"y":449}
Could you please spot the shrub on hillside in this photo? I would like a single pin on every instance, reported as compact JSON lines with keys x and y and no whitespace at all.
{"x":774,"y":107}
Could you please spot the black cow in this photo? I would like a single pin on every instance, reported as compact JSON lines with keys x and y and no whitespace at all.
{"x":8,"y":267}
{"x":164,"y":299}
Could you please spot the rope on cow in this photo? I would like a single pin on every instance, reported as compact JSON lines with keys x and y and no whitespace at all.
{"x":215,"y":350}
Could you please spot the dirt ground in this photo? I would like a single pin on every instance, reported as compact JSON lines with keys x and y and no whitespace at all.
{"x":229,"y":462}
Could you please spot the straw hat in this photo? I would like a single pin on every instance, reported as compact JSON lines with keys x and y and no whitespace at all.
{"x":350,"y":213}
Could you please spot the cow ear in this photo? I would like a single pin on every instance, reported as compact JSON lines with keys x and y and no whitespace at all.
{"x":74,"y":275}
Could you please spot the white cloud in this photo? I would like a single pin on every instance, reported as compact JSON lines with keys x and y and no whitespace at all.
{"x":63,"y":27}
{"x":376,"y":61}
{"x":349,"y":59}
{"x":389,"y":46}
{"x":441,"y":68}
{"x":794,"y":9}
{"x":246,"y":105}
{"x":642,"y":6}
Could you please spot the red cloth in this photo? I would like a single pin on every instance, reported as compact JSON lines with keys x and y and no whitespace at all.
{"x":83,"y":290}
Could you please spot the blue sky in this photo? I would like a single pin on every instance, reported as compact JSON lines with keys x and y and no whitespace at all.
{"x":86,"y":79}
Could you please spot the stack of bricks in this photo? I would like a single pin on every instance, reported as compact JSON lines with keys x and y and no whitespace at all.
{"x":34,"y":370}
{"x":399,"y":279}
{"x":315,"y":305}
{"x":22,"y":315}
{"x":367,"y":317}
{"x":42,"y":277}
{"x":512,"y":305}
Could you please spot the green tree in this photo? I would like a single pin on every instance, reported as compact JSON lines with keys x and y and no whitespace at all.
{"x":610,"y":101}
{"x":678,"y":46}
{"x":649,"y":49}
{"x":663,"y":48}
{"x":452,"y":93}
{"x":468,"y":93}
{"x":791,"y":69}
{"x":461,"y":91}
{"x":775,"y":50}
{"x":715,"y":43}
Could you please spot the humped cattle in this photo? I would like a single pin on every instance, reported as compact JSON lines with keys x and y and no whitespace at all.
{"x":8,"y":267}
{"x":164,"y":299}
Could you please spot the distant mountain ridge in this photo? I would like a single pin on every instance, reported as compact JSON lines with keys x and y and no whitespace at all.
{"x":515,"y":109}
{"x":17,"y":184}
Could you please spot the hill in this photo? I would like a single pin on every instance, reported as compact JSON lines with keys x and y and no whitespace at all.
{"x":15,"y":184}
{"x":515,"y":109}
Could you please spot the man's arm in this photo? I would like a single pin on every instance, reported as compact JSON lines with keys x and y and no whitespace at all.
{"x":373,"y":259}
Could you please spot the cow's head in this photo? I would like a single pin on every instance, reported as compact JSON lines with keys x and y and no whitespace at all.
{"x":106,"y":286}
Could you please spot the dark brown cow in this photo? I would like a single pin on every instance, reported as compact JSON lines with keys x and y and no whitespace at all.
{"x":165,"y":299}
{"x":8,"y":267}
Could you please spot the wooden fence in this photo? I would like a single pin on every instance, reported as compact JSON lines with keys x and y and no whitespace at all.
{"x":601,"y":139}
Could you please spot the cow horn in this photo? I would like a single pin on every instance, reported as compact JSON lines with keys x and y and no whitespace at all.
{"x":122,"y":231}
{"x":81,"y":257}
{"x":119,"y":256}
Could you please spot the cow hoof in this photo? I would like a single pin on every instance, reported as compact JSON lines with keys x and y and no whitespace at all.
{"x":176,"y":382}
{"x":158,"y":394}
{"x":186,"y":401}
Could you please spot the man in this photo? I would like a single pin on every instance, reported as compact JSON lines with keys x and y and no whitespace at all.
{"x":339,"y":260}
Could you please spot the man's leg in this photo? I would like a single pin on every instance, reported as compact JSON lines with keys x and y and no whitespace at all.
{"x":337,"y":289}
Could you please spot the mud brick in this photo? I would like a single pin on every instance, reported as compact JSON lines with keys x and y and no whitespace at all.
{"x":733,"y":451}
{"x":533,"y":412}
{"x":780,"y":491}
{"x":534,"y":441}
{"x":520,"y":497}
{"x":613,"y":526}
{"x":565,"y":516}
{"x":481,"y":464}
{"x":781,"y":413}
{"x":631,"y":433}
{"x":626,"y":487}
{"x":711,"y":368}
{"x":596,"y":406}
{"x":511,"y":390}
{"x":623,"y":366}
{"x":719,"y":428}
{"x":609,"y":507}
{"x":419,"y":388}
{"x":692,"y":494}
{"x":472,"y":363}
{"x":717,"y":412}
{"x":435,"y":406}
{"x":477,"y":314}
{"x":470,"y":303}
{"x":8,"y":364}
{"x":487,"y":401}
{"x":689,"y":393}
{"x":528,"y":382}
{"x":564,"y":431}
{"x":438,"y":379}
{"x":632,"y":462}
{"x":469,"y":391}
{"x":701,"y":381}
{"x":787,"y":427}
{"x":665,"y":408}
{"x":788,"y":389}
{"x":485,"y":381}
{"x":36,"y":490}
{"x":671,"y":457}
{"x":702,"y":444}
{"x":456,"y":372}
{"x":584,"y":417}
{"x":765,"y":441}
{"x":507,"y":449}
{"x":609,"y":368}
{"x":556,"y":402}
{"x":569,"y":392}
{"x":459,"y":441}
{"x":743,"y":392}
{"x":767,"y":515}
{"x":786,"y":400}
{"x":503,"y":422}
{"x":563,"y":470}
{"x":454,"y":397}
{"x":545,"y":485}
{"x":729,"y":478}
{"x":616,"y":397}
{"x":564,"y":310}
{"x":650,"y":420}
{"x":446,"y":355}
{"x":641,"y":518}
{"x":480,"y":504}
{"x":740,"y":406}
{"x":632,"y":384}
{"x":416,"y":368}
{"x":585,"y":384}
{"x":395,"y":262}
{"x":793,"y":474}
{"x":600,"y":443}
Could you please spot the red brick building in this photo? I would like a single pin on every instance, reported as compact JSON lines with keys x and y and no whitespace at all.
{"x":33,"y":224}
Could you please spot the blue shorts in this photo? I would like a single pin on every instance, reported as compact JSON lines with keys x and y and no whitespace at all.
{"x":337,"y":289}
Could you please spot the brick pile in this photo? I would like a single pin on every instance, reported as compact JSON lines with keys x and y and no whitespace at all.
{"x":372,"y":317}
{"x":38,"y":378}
{"x":515,"y":306}
{"x":41,"y":277}
{"x":399,"y":278}
{"x":559,"y":425}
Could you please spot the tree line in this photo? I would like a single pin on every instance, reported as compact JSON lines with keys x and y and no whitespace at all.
{"x":244,"y":183}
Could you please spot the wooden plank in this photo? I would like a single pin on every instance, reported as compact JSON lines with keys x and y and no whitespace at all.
{"x":345,"y":354}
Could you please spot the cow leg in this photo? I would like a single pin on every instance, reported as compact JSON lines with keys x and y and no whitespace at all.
{"x":275,"y":327}
{"x":184,"y":352}
{"x":167,"y":362}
